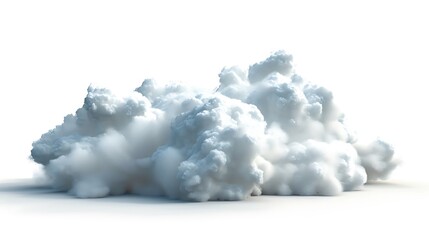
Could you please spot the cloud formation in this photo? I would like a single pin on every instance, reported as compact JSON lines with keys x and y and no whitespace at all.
{"x":265,"y":130}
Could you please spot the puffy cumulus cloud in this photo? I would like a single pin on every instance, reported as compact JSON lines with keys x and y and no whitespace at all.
{"x":265,"y":130}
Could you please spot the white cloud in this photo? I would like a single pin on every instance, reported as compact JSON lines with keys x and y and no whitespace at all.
{"x":265,"y":130}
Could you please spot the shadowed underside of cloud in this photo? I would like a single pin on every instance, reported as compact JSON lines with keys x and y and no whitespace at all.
{"x":264,"y":131}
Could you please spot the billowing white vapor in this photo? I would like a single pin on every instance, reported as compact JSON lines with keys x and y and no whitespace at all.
{"x":263,"y":131}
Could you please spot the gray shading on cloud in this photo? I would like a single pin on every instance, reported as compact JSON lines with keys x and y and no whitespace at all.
{"x":265,"y":130}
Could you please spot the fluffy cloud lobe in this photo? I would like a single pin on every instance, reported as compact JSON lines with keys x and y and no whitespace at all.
{"x":265,"y":130}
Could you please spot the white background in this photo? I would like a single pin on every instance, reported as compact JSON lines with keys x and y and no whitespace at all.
{"x":372,"y":54}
